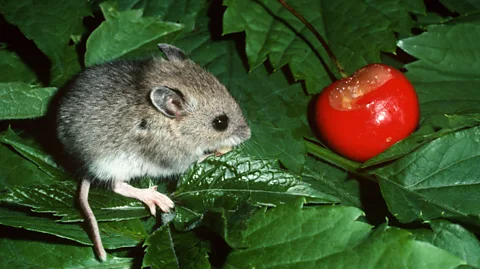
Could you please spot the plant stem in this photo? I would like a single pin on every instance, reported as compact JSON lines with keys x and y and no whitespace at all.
{"x":335,"y":159}
{"x":317,"y":35}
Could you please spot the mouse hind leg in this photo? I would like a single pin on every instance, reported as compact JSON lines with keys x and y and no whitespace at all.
{"x":150,"y":197}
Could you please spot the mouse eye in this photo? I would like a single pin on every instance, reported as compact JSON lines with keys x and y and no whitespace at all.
{"x":220,"y":123}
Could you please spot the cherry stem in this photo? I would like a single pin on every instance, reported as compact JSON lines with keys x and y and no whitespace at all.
{"x":337,"y":160}
{"x":318,"y":36}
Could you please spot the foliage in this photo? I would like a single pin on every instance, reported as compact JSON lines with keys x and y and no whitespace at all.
{"x":268,"y":203}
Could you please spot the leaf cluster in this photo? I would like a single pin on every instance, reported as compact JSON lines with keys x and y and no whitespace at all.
{"x":281,"y":200}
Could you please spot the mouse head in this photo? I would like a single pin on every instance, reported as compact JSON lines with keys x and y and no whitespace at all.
{"x":199,"y":108}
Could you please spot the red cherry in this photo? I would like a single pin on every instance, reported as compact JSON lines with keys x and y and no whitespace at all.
{"x":362,"y":115}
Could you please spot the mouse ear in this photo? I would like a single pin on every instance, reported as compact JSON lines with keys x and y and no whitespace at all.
{"x":168,"y":101}
{"x":172,"y":53}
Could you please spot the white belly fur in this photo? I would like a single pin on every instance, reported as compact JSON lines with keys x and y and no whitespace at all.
{"x":123,"y":167}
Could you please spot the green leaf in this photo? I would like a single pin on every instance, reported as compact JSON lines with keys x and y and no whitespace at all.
{"x":232,"y":179}
{"x":452,"y":238}
{"x":181,"y":11}
{"x":357,"y":31}
{"x":187,"y":219}
{"x":19,"y":100}
{"x":334,"y":181}
{"x":440,"y":179}
{"x":270,"y":231}
{"x":432,"y":128}
{"x":50,"y":24}
{"x":415,"y":6}
{"x":224,"y":221}
{"x":431,"y":18}
{"x":396,"y":12}
{"x":329,"y":237}
{"x":125,"y":34}
{"x":160,"y":251}
{"x":66,"y":64}
{"x":14,"y":69}
{"x":277,"y":128}
{"x":59,"y":199}
{"x":18,"y":172}
{"x":114,"y":235}
{"x":214,"y":192}
{"x":271,"y":31}
{"x":43,"y":160}
{"x":45,"y":254}
{"x":446,"y":74}
{"x":192,"y":252}
{"x":466,"y":6}
{"x":169,"y":249}
{"x":390,"y":247}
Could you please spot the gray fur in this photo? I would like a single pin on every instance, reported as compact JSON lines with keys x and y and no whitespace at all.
{"x":102,"y":110}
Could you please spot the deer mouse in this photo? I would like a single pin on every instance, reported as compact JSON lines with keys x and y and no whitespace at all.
{"x":154,"y":117}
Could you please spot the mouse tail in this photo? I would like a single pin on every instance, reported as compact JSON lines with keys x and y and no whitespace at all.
{"x":90,"y":220}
